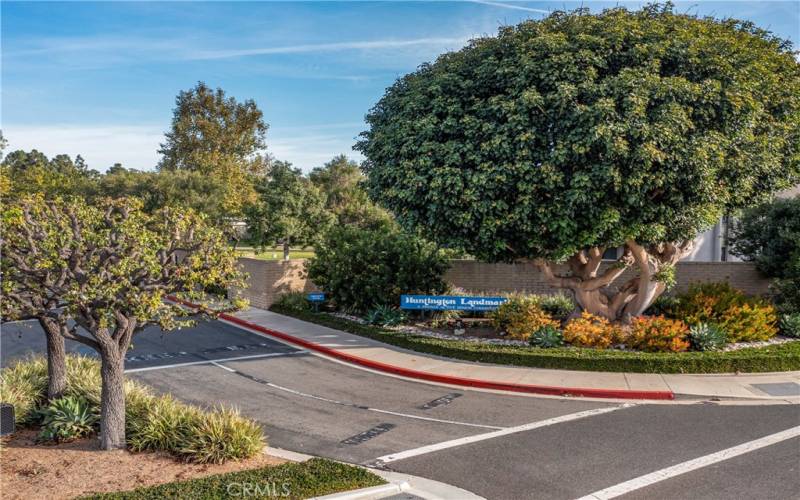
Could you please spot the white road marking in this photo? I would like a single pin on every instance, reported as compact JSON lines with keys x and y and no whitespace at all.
{"x":691,"y":465}
{"x":366,"y":408}
{"x":212,"y":361}
{"x":491,"y":435}
{"x":223,"y":367}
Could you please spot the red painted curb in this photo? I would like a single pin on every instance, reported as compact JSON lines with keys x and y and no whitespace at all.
{"x":446,"y":379}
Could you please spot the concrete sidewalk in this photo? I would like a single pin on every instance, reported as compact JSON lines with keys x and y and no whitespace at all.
{"x":781,"y":386}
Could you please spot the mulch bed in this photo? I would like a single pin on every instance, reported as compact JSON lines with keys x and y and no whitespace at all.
{"x":29,"y":470}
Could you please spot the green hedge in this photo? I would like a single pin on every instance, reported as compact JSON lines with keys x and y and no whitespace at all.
{"x":316,"y":477}
{"x":782,"y":357}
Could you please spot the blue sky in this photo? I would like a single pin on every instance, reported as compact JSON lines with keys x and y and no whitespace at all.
{"x":100,"y":79}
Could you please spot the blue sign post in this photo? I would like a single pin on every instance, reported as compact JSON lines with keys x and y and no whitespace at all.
{"x":449,"y":303}
{"x":316,"y":298}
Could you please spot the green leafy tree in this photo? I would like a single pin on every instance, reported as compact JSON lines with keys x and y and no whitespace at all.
{"x":217,"y":136}
{"x":341,"y":183}
{"x":290,"y":211}
{"x":34,"y":295}
{"x":32,"y":172}
{"x":114,"y":265}
{"x":566,"y":136}
{"x":366,"y":268}
{"x":179,"y":188}
{"x":769,"y":235}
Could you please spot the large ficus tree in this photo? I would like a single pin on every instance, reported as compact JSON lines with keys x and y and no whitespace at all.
{"x":116,"y":265}
{"x":564,"y":137}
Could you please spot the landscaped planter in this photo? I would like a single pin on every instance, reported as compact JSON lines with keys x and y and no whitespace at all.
{"x":781,"y":357}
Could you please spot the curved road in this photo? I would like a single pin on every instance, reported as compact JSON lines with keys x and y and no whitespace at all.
{"x":499,"y":446}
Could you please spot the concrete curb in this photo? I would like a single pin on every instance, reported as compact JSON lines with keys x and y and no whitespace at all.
{"x":372,"y":493}
{"x":444,"y":379}
{"x":398,"y":483}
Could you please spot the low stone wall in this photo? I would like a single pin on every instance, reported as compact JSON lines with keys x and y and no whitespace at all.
{"x":269,"y":278}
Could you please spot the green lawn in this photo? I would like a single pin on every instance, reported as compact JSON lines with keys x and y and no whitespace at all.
{"x":274,"y":253}
{"x":782,"y":357}
{"x":316,"y":477}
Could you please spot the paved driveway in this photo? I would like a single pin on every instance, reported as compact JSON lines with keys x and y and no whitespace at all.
{"x":496,"y":445}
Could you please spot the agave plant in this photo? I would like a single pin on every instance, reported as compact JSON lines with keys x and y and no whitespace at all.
{"x":707,"y":337}
{"x":385,"y":316}
{"x":547,"y":336}
{"x":67,"y":419}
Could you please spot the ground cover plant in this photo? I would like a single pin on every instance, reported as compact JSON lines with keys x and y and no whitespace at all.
{"x":313,"y":478}
{"x":153,"y":423}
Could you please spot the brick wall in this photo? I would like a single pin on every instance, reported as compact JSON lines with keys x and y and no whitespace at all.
{"x":269,"y":278}
{"x":482,"y":277}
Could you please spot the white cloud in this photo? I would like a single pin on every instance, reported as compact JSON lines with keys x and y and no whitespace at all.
{"x":511,"y":6}
{"x":330,"y":47}
{"x":100,"y":145}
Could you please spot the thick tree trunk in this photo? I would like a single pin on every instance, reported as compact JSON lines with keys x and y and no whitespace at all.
{"x":286,"y":249}
{"x":112,"y":399}
{"x":594,"y":292}
{"x":56,"y":359}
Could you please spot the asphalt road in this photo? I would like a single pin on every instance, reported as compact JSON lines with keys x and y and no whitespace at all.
{"x":495,"y":445}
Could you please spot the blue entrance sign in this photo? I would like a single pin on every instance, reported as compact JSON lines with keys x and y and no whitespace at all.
{"x":450,"y":303}
{"x":316,"y":297}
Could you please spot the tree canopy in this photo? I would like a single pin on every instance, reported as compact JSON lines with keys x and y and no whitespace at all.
{"x":290,"y":211}
{"x":564,"y":136}
{"x":769,"y":235}
{"x":217,"y":136}
{"x":342,"y":185}
{"x":111,"y":266}
{"x":33,"y":172}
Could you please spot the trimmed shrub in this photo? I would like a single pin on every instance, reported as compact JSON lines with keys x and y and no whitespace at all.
{"x":592,"y":331}
{"x":707,"y":337}
{"x":293,"y":300}
{"x":790,"y":325}
{"x":520,"y":316}
{"x":657,"y":334}
{"x":67,"y":419}
{"x":364,"y":268}
{"x":547,"y":337}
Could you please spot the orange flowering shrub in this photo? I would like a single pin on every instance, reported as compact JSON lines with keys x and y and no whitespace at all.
{"x":592,"y":331}
{"x":743,"y":318}
{"x":520,"y":317}
{"x":657,"y":333}
{"x":750,"y":322}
